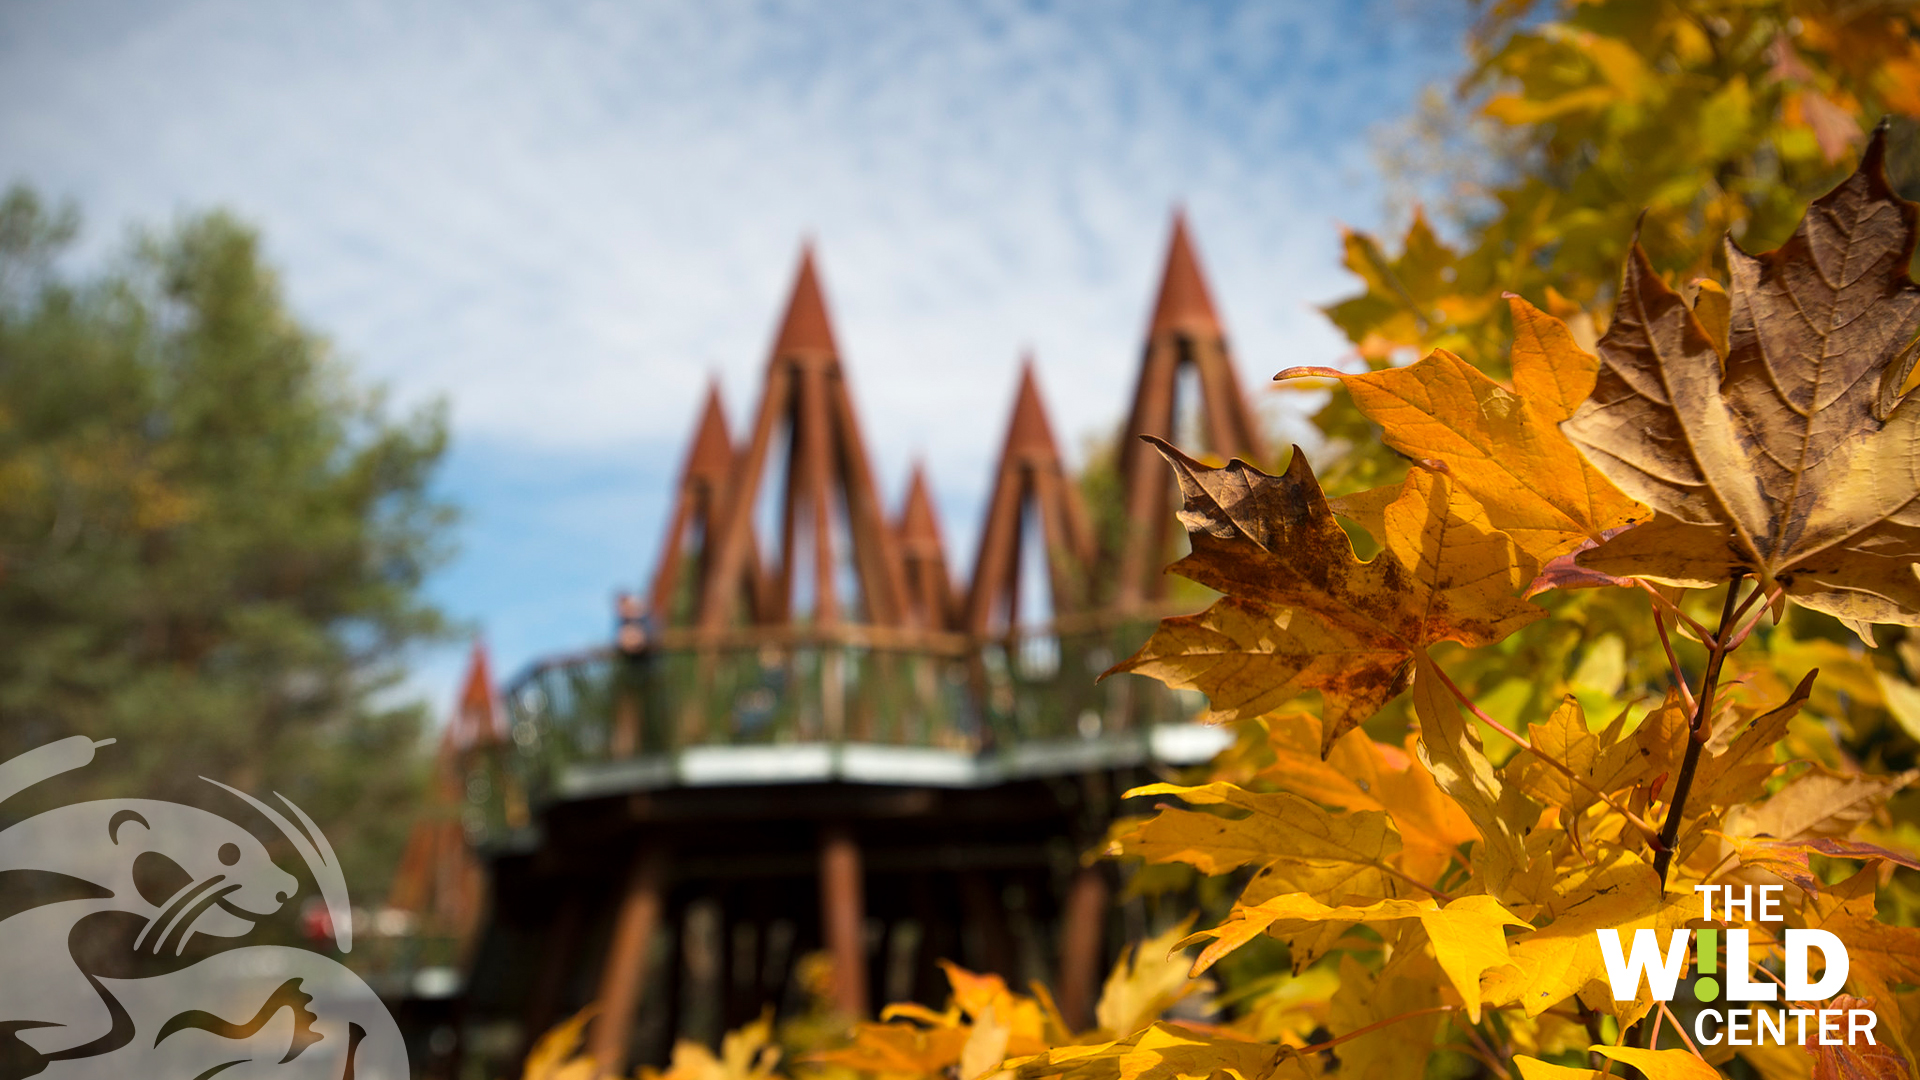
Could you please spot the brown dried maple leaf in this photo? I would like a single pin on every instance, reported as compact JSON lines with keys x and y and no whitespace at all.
{"x":1302,"y":612}
{"x":1796,"y":458}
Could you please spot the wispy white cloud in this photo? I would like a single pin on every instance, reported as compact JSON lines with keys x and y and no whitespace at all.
{"x":565,"y":218}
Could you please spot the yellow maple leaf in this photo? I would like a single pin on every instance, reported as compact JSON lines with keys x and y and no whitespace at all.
{"x":554,"y":1054}
{"x":1147,"y":980}
{"x":1503,"y":445}
{"x":1407,"y":984}
{"x":1562,"y":958}
{"x":1466,"y":934}
{"x":983,"y":1023}
{"x":746,"y":1053}
{"x":895,"y":1050}
{"x":1791,"y":859}
{"x":1534,"y":1069}
{"x":1292,"y":839}
{"x":1880,"y":956}
{"x":1659,"y":1064}
{"x":1818,"y":802}
{"x":1361,"y":774}
{"x":1450,"y":748}
{"x":1735,"y":773}
{"x":1165,"y":1052}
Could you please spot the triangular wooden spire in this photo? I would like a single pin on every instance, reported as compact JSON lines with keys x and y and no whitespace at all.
{"x":476,"y":718}
{"x":1185,"y":305}
{"x":1031,"y":473}
{"x":440,"y":879}
{"x":805,"y":403}
{"x":924,"y":554}
{"x":805,"y":327}
{"x":706,"y":474}
{"x":1184,"y":331}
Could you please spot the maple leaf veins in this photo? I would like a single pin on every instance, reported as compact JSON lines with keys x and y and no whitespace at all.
{"x":1796,"y":459}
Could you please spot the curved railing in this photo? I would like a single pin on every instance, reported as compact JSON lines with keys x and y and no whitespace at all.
{"x":792,"y":686}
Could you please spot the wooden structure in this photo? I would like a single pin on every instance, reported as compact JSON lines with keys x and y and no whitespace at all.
{"x":440,"y":882}
{"x":1031,"y":488}
{"x":681,"y":578}
{"x":808,"y":741}
{"x":930,"y":599}
{"x":805,"y":405}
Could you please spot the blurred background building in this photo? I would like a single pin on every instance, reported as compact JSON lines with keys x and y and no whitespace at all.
{"x":811,"y":763}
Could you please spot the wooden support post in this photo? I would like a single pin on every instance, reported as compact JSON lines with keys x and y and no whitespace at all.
{"x":1082,"y":933}
{"x":624,"y":978}
{"x":843,"y":918}
{"x":550,"y":985}
{"x":984,"y":907}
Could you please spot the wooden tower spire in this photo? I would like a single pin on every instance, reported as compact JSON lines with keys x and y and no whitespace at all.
{"x":476,"y":719}
{"x":1184,"y":331}
{"x":923,"y":554}
{"x":1031,"y":479}
{"x":805,"y":406}
{"x":440,"y":880}
{"x":705,"y":477}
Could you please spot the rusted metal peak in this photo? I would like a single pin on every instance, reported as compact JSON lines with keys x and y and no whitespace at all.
{"x":1185,"y":304}
{"x":476,"y":720}
{"x":1029,"y":434}
{"x":923,"y":553}
{"x":710,"y":455}
{"x":805,"y":328}
{"x":919,"y":524}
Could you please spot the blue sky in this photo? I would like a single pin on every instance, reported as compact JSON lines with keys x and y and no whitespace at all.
{"x":564,"y":218}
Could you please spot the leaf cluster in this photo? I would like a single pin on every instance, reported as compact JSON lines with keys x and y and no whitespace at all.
{"x":1770,"y":413}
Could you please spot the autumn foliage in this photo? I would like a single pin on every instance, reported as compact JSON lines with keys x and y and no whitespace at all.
{"x":1438,"y":796}
{"x":1763,"y":428}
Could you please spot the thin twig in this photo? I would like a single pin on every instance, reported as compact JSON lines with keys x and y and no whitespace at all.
{"x":1673,"y":661}
{"x":1682,"y":1029}
{"x":1481,"y":1056}
{"x":1673,"y":609}
{"x":1590,"y":1019}
{"x":1752,"y":624}
{"x":1435,"y":892}
{"x":1632,"y":818}
{"x":1697,"y":734}
{"x":1480,"y":1040}
{"x":1315,"y":1048}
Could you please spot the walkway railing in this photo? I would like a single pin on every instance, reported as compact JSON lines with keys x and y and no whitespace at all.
{"x":783,"y":686}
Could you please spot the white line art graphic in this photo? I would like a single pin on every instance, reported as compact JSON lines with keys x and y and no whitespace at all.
{"x":124,"y":951}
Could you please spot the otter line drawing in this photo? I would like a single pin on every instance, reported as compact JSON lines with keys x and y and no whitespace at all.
{"x":123,"y":926}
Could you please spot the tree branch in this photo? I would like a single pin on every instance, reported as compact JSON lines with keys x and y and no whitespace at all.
{"x":1673,"y":661}
{"x":1697,"y":733}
